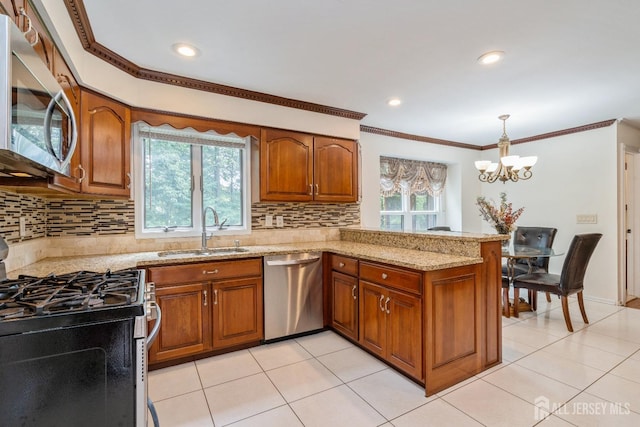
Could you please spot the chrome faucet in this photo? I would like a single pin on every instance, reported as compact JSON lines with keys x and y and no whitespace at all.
{"x":205,"y":238}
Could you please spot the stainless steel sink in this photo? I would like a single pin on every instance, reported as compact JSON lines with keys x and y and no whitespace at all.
{"x":200,"y":252}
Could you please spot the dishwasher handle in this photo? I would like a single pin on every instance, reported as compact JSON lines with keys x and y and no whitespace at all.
{"x":302,"y":261}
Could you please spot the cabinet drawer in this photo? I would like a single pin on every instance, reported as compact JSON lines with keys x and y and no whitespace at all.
{"x":206,"y":271}
{"x":392,"y":277}
{"x":344,"y":264}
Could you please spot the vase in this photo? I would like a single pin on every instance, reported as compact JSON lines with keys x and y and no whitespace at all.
{"x":505,"y":245}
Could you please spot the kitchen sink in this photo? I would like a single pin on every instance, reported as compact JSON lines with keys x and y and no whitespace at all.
{"x":201,"y":252}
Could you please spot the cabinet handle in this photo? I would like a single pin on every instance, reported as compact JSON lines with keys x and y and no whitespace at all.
{"x":341,"y":264}
{"x":129,"y":176}
{"x":62,"y":78}
{"x":317,"y":189}
{"x":205,"y":298}
{"x":386,"y":305}
{"x":83,"y":174}
{"x":29,"y":28}
{"x":384,"y":275}
{"x":380,"y":303}
{"x":353,"y":292}
{"x":210,"y":271}
{"x":215,"y":297}
{"x":311,"y":189}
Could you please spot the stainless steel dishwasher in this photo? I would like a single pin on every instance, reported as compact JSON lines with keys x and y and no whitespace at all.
{"x":292,"y":294}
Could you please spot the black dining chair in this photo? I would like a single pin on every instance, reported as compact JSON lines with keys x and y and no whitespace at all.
{"x":570,"y":281}
{"x":537,"y":237}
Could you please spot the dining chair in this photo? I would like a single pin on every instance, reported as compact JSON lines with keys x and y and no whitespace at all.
{"x":537,"y":237}
{"x":570,"y":281}
{"x":440,"y":228}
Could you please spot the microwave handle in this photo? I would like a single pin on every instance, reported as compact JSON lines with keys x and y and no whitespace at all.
{"x":47,"y":129}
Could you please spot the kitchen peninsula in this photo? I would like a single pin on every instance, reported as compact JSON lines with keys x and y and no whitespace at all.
{"x":440,"y":319}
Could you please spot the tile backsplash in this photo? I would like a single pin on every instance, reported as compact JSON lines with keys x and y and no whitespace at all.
{"x":89,"y":217}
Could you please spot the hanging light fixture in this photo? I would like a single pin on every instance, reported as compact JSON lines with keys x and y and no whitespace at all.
{"x":508,"y":167}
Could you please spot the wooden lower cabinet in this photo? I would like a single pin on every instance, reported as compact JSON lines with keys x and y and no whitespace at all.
{"x":344,"y":314}
{"x":237,"y":312}
{"x":391,"y":327}
{"x":455,"y":338}
{"x":185,"y":322}
{"x":207,"y":307}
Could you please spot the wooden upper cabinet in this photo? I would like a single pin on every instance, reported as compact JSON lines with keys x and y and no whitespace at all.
{"x":335,"y":170}
{"x":38,"y":36}
{"x":286,"y":166}
{"x":298,"y":167}
{"x":105,"y":146}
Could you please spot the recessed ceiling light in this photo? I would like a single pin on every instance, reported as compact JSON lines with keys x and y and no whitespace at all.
{"x":185,"y":49}
{"x":491,"y":57}
{"x":394,"y":102}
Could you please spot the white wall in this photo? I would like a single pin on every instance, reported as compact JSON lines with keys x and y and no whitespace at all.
{"x":575,"y":174}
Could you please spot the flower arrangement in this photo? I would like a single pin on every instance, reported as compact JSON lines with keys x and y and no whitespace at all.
{"x":503,"y":218}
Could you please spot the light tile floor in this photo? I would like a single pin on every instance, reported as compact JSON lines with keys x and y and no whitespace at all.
{"x":549,"y":377}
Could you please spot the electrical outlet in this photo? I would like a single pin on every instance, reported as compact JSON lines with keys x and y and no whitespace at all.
{"x":279,"y":221}
{"x":23,"y":226}
{"x":586,"y":219}
{"x":268,"y":220}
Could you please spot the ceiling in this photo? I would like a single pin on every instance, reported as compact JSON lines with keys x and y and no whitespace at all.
{"x":566,"y":63}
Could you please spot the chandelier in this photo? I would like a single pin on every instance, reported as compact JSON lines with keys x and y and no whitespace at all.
{"x":508,"y":168}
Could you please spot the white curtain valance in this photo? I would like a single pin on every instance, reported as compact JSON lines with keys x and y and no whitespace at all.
{"x":418,"y":176}
{"x":190,"y":136}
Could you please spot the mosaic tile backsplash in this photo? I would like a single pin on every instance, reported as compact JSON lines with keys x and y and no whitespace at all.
{"x":88,"y":217}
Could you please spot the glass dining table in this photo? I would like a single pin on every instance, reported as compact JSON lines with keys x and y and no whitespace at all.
{"x":512,"y":254}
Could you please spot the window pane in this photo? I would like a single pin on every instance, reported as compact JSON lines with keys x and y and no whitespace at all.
{"x":222,"y":182}
{"x":422,"y":203}
{"x":167,"y":184}
{"x":392,"y":222}
{"x":391,"y":203}
{"x":422,"y":222}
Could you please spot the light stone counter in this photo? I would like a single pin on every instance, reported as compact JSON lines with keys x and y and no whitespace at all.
{"x":412,"y":258}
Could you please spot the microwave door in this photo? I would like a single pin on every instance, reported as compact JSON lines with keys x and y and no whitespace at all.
{"x":60,"y":132}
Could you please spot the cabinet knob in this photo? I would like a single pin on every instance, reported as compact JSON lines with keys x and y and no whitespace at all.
{"x":210,"y":271}
{"x":341,"y":264}
{"x":384,"y":275}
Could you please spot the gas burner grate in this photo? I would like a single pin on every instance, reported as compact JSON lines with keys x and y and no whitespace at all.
{"x":30,"y":296}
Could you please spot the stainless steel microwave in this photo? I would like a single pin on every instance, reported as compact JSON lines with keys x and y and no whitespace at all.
{"x":38,"y":132}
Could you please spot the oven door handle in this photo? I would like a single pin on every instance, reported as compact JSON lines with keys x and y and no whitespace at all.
{"x":156,"y":326}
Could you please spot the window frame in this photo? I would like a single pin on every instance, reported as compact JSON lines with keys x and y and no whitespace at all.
{"x":196,"y":191}
{"x":407,"y":214}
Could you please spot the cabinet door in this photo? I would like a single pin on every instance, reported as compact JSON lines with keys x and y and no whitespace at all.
{"x":404,"y":333}
{"x":237,"y":312}
{"x":344,"y":316}
{"x":373,"y":334}
{"x":105,"y":146}
{"x":286,"y":167}
{"x":335,"y":170}
{"x":184,"y":330}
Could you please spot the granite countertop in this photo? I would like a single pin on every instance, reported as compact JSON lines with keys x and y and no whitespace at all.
{"x":416,"y":259}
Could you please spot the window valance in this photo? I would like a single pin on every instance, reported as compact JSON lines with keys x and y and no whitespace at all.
{"x":190,"y":136}
{"x":418,"y":176}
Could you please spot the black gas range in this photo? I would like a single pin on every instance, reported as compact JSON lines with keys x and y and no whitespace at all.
{"x":73,"y":349}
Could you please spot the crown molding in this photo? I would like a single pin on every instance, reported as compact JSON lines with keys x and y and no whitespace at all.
{"x":402,"y":135}
{"x":80,"y":20}
{"x":583,"y":128}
